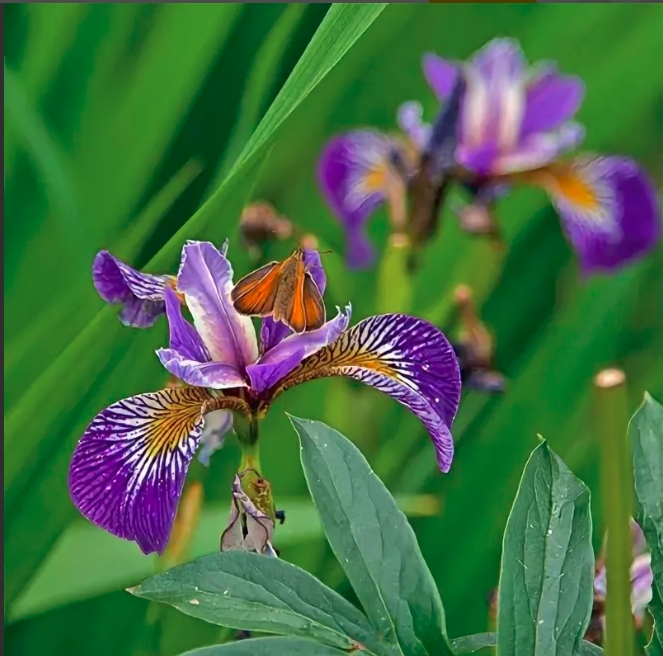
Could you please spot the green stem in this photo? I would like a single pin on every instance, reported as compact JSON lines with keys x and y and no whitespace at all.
{"x":247,"y":429}
{"x":617,"y":490}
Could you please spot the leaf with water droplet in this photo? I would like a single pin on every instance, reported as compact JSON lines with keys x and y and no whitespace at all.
{"x":248,"y":591}
{"x":546,"y":580}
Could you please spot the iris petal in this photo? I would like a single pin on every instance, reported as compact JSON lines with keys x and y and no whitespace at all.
{"x":188,"y":358}
{"x":405,"y":357}
{"x":128,"y":469}
{"x":288,"y":354}
{"x":352,"y":174}
{"x":551,"y":99}
{"x":440,"y":74}
{"x":205,"y":279}
{"x":141,"y":294}
{"x":608,"y":208}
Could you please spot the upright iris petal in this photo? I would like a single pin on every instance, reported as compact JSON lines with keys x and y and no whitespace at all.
{"x":405,"y":357}
{"x":353,"y":174}
{"x":205,"y":279}
{"x":511,"y":120}
{"x":608,"y":208}
{"x":188,"y":357}
{"x":140,"y":294}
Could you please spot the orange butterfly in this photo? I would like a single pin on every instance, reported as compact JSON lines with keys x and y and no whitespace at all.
{"x":285,"y":290}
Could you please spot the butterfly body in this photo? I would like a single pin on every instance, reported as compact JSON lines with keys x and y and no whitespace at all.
{"x":283,"y":290}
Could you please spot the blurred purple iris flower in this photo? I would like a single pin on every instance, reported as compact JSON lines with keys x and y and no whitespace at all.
{"x":642,"y":577}
{"x":514,"y":125}
{"x":127,"y":471}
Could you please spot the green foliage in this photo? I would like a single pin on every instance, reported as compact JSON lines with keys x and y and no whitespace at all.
{"x":373,"y":542}
{"x":247,"y":591}
{"x":104,"y":107}
{"x":646,"y":431}
{"x":546,"y":591}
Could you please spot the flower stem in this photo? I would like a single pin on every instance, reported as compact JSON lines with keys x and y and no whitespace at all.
{"x":394,"y":287}
{"x":617,"y":492}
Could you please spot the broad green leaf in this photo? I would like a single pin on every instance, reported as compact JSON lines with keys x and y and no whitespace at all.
{"x":545,"y":591}
{"x":646,"y":430}
{"x":87,"y":561}
{"x":470,"y":644}
{"x":373,"y":542}
{"x":268,"y":647}
{"x":589,"y":649}
{"x":248,"y":591}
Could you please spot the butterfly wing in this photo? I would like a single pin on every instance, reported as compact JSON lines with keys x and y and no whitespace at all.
{"x":255,"y":293}
{"x":301,"y":307}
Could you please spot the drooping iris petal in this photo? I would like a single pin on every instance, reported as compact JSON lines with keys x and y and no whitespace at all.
{"x":353,"y":173}
{"x":405,"y":357}
{"x":188,"y":358}
{"x":278,"y":362}
{"x":140,"y":294}
{"x":205,"y":279}
{"x":608,"y":208}
{"x":128,"y":469}
{"x":551,"y":99}
{"x":272,"y":332}
{"x":218,"y":424}
{"x":440,"y":74}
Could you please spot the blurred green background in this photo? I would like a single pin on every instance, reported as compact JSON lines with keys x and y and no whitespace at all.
{"x":121,"y":121}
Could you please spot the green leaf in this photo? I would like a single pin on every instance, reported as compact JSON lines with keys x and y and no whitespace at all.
{"x":646,"y":431}
{"x":269,"y":647}
{"x":373,"y":542}
{"x":589,"y":649}
{"x":545,"y":591}
{"x":258,"y":85}
{"x":87,"y":561}
{"x":341,"y":27}
{"x":248,"y":591}
{"x":472,"y":643}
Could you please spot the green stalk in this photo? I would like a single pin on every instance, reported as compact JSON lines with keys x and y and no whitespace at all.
{"x":394,"y":286}
{"x":617,"y":490}
{"x":246,"y":429}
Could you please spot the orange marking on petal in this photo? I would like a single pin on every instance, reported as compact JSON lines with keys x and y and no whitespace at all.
{"x":375,"y":180}
{"x":565,"y":181}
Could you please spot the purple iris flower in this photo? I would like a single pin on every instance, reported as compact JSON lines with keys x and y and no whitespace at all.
{"x":127,"y":471}
{"x":515,"y":125}
{"x":642,"y":576}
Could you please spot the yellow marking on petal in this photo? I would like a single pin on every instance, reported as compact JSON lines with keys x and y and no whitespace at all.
{"x":375,"y":179}
{"x":171,"y":281}
{"x":566,"y":182}
{"x":176,"y":420}
{"x":180,"y":411}
{"x":347,"y":352}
